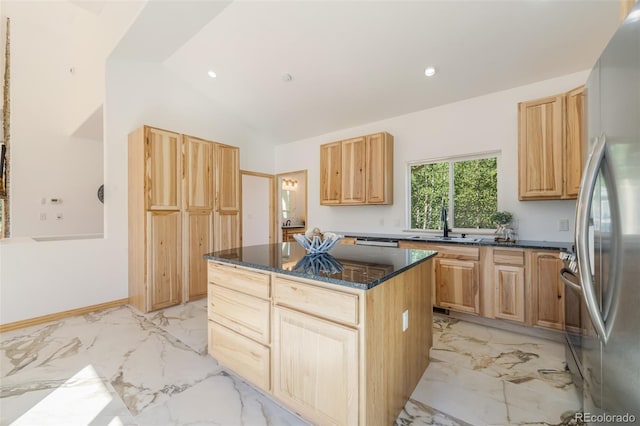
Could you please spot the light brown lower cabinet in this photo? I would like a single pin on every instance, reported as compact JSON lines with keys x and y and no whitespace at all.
{"x":241,"y":354}
{"x":509,"y":284}
{"x":316,"y":367}
{"x":547,"y":303}
{"x":515,"y":284}
{"x":335,"y":355}
{"x":458,"y":285}
{"x":198,"y":240}
{"x":509,"y":292}
{"x":348,"y":240}
{"x":288,"y":233}
{"x":164,"y":258}
{"x":239,"y":312}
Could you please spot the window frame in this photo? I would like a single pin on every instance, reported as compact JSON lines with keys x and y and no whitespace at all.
{"x":451,"y":160}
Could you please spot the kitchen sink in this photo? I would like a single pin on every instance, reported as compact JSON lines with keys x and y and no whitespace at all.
{"x":441,"y":238}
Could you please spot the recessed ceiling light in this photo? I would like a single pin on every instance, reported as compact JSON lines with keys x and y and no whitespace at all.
{"x":212,"y":74}
{"x":429,"y":71}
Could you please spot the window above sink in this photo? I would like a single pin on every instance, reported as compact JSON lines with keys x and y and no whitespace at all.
{"x":466,"y":186}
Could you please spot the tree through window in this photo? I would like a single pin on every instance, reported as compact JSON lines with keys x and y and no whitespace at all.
{"x":468,"y":188}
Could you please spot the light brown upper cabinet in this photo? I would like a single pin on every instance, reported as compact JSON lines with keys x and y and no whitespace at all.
{"x":330,"y":173}
{"x":162,"y":157}
{"x":353,"y":165}
{"x":357,"y":171}
{"x":625,"y":8}
{"x":184,"y":201}
{"x":574,"y":108}
{"x":198,"y":171}
{"x":549,"y":147}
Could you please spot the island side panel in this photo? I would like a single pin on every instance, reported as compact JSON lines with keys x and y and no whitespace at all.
{"x":394,"y":361}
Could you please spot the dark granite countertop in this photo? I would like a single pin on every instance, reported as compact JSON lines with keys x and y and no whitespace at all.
{"x":361,"y":267}
{"x":487,"y":241}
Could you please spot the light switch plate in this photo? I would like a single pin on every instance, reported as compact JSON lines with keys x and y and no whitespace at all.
{"x":405,"y":320}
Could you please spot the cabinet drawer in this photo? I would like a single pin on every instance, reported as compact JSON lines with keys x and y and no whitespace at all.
{"x":508,"y":257}
{"x":244,"y":314}
{"x":462,"y":253}
{"x":245,"y":357}
{"x":239,"y":279}
{"x":322,"y":302}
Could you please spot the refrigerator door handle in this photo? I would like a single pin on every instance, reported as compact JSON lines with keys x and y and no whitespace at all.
{"x":587,"y":187}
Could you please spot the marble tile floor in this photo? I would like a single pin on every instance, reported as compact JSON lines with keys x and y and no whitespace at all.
{"x":120,"y":367}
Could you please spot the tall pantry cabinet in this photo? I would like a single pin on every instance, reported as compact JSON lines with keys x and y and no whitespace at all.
{"x":175,"y":214}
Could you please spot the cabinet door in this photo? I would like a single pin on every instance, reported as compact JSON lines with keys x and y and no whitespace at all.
{"x":457,"y":285}
{"x":379,"y":169}
{"x":226,"y":231}
{"x":540,"y":141}
{"x":164,"y":259}
{"x":573,"y":142}
{"x":227,"y":179}
{"x":509,"y":292}
{"x":316,"y":367}
{"x":198,"y":241}
{"x":198,"y":174}
{"x":226,"y":221}
{"x":353,"y":175}
{"x":330,"y":173}
{"x":547,"y":290}
{"x":163,"y":164}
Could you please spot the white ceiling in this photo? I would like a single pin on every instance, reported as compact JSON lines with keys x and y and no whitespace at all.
{"x":355,"y":62}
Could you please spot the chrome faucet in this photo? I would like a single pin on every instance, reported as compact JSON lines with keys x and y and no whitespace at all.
{"x":288,"y":222}
{"x":445,"y":224}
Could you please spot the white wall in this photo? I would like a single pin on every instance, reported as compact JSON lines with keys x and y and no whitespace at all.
{"x":485,"y":123}
{"x":255,"y":209}
{"x":45,"y":161}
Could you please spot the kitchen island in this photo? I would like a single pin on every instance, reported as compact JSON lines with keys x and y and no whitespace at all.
{"x":338,"y":339}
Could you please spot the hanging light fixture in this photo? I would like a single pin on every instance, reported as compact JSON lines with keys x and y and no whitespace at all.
{"x":289,"y":184}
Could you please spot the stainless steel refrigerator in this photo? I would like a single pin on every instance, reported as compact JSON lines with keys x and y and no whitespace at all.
{"x":608,"y":231}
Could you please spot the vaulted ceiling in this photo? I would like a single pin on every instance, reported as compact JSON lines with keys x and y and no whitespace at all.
{"x":353,"y":62}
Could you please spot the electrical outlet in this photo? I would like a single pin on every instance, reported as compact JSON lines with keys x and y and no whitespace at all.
{"x":405,"y":320}
{"x":43,"y":216}
{"x":563,"y":225}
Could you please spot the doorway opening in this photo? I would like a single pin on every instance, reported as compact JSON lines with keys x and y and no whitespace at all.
{"x":292,"y":203}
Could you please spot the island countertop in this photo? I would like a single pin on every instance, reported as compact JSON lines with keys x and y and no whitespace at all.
{"x":362,"y":267}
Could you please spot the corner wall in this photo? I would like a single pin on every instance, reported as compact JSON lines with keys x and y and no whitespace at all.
{"x":485,"y":123}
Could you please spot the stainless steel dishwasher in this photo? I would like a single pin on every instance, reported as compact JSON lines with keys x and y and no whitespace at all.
{"x":378,"y":242}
